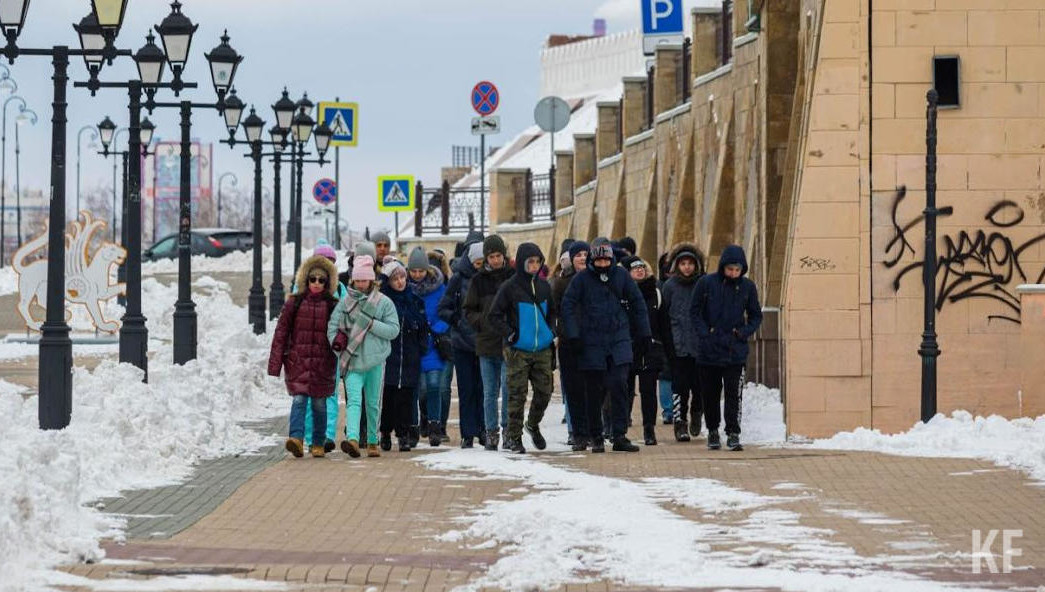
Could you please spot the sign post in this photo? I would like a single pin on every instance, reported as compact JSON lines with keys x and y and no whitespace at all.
{"x":485,"y":100}
{"x":661,"y":23}
{"x":343,"y":120}
{"x":395,"y":193}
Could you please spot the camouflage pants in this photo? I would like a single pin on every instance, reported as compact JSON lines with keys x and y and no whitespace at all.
{"x":523,"y":367}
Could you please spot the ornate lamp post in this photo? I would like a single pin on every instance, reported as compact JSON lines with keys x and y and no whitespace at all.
{"x":3,"y":175}
{"x":24,"y":116}
{"x":90,"y":129}
{"x":55,"y":364}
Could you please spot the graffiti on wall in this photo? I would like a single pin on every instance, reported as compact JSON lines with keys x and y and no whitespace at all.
{"x":982,"y":264}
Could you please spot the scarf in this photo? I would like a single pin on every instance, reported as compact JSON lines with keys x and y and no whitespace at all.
{"x":360,"y":312}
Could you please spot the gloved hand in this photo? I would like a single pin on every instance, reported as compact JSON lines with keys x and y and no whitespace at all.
{"x":340,"y":341}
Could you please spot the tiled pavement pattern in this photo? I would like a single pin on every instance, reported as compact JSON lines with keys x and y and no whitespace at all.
{"x":166,"y":511}
{"x":371,"y":523}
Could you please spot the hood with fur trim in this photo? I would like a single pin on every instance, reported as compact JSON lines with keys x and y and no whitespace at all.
{"x":314,"y":262}
{"x":686,"y":249}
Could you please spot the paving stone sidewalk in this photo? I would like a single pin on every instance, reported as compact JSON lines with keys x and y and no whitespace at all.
{"x":372,"y":524}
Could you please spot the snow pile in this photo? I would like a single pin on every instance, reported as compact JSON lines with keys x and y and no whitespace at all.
{"x":761,"y":415}
{"x":242,"y":261}
{"x":1017,"y":443}
{"x":125,"y":434}
{"x":577,"y":527}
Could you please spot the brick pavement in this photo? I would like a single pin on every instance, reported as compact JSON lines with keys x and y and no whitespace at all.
{"x":372,"y":523}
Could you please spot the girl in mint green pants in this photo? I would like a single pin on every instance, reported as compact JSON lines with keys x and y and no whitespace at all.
{"x":361,"y":331}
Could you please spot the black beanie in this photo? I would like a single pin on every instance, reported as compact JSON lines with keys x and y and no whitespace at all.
{"x":494,"y":244}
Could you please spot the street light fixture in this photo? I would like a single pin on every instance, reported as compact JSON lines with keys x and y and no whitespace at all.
{"x":223,"y":62}
{"x":106,"y":129}
{"x":150,"y":60}
{"x":146,"y":132}
{"x":176,"y":31}
{"x":302,"y":125}
{"x":12,"y":18}
{"x":322,"y":135}
{"x":108,"y":14}
{"x":92,"y":39}
{"x":253,"y":126}
{"x":284,"y":109}
{"x":233,"y":112}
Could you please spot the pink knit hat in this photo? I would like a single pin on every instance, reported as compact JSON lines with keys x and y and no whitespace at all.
{"x":325,"y":250}
{"x":363,"y":268}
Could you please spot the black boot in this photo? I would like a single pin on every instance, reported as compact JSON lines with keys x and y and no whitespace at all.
{"x":569,"y":440}
{"x":491,"y":439}
{"x":694,"y":424}
{"x":425,"y":428}
{"x":713,"y":441}
{"x":622,"y":444}
{"x":482,"y":438}
{"x":404,"y":445}
{"x":516,"y":445}
{"x":504,"y":440}
{"x":580,"y":444}
{"x":466,"y":442}
{"x":649,"y":436}
{"x":413,"y":435}
{"x":433,"y":434}
{"x":733,"y":442}
{"x":386,"y":441}
{"x":681,"y":432}
{"x":538,"y":440}
{"x":328,"y":446}
{"x":598,"y":445}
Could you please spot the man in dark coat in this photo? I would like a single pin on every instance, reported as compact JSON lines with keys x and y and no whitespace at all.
{"x":726,"y":313}
{"x":602,"y":310}
{"x":523,"y":313}
{"x":687,"y":266}
{"x":462,"y":339}
{"x":488,"y":341}
{"x":647,"y":365}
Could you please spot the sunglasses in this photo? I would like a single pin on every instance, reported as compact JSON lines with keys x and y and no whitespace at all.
{"x":317,"y":279}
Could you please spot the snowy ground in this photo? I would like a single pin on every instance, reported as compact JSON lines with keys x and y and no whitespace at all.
{"x":125,"y":435}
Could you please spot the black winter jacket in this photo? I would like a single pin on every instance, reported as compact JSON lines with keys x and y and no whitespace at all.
{"x":655,"y":358}
{"x":451,"y":306}
{"x":725,"y":312}
{"x":477,"y":303}
{"x":599,"y":309}
{"x":403,"y":365}
{"x":677,"y":330}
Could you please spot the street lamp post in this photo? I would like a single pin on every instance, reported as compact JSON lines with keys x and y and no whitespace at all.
{"x":176,"y":33}
{"x":24,"y":116}
{"x":3,"y":176}
{"x":221,"y":179}
{"x":929,"y":350}
{"x":79,"y":142}
{"x":55,"y":362}
{"x":276,"y":293}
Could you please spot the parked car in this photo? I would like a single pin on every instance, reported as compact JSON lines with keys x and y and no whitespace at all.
{"x":212,"y":242}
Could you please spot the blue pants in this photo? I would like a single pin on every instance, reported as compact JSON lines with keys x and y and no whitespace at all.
{"x":469,"y":393}
{"x":331,"y":423}
{"x":666,"y":400}
{"x":297,"y":416}
{"x":495,"y":378}
{"x":433,"y":397}
{"x":442,"y":387}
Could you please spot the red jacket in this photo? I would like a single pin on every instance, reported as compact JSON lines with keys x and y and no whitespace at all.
{"x":310,"y":362}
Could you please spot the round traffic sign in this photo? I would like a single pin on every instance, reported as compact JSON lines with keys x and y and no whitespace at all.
{"x":325,"y":191}
{"x":552,"y":114}
{"x":485,"y":98}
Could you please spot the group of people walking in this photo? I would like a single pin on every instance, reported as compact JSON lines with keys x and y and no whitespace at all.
{"x":394,"y":333}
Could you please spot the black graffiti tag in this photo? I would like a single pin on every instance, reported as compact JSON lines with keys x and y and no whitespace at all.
{"x":978,"y":265}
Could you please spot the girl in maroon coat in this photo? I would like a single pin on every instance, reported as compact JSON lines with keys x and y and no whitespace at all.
{"x":300,"y":345}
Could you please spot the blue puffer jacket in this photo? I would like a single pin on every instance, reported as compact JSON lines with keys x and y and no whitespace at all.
{"x":451,"y":306}
{"x":514,"y":312}
{"x":725,"y":313}
{"x":431,"y":290}
{"x":598,"y":309}
{"x":403,"y":365}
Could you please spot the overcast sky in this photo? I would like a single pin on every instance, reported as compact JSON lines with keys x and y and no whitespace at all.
{"x":410,"y":64}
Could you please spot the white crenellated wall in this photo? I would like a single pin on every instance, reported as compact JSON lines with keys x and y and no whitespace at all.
{"x":577,"y":68}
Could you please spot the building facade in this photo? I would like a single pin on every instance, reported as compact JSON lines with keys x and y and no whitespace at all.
{"x":797,"y":128}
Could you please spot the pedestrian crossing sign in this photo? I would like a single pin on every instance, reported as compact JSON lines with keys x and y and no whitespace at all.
{"x":343,"y":120}
{"x":395,"y":193}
